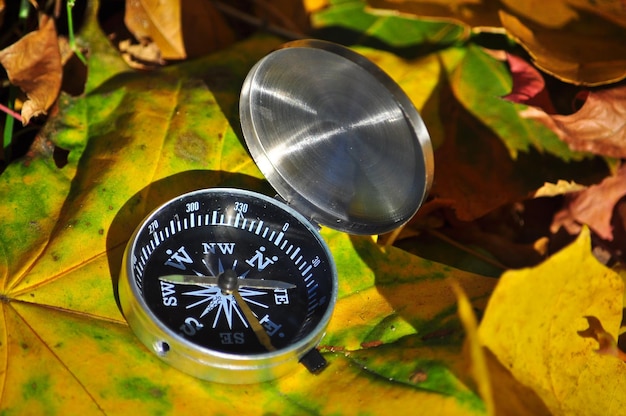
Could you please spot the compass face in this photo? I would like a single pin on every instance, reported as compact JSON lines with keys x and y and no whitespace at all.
{"x":234,"y":272}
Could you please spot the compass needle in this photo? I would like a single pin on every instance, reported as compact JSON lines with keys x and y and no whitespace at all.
{"x":212,"y":281}
{"x":260,"y":333}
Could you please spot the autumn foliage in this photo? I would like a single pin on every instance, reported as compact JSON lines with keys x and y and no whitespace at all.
{"x":503,"y":295}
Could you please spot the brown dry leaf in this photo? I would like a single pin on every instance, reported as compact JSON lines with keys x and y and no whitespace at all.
{"x":613,"y":10}
{"x":550,"y":14}
{"x":589,"y":50}
{"x":598,"y":127}
{"x":180,"y":29}
{"x":593,"y":207}
{"x":141,"y":56}
{"x":34,"y":65}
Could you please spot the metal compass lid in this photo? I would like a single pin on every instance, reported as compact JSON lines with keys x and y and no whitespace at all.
{"x":336,"y":137}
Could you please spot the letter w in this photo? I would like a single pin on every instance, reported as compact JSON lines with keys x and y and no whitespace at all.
{"x":178,"y":258}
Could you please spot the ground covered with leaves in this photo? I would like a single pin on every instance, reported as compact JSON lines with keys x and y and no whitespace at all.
{"x":503,"y":295}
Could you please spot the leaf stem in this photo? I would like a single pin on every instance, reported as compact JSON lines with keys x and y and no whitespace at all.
{"x":9,"y":122}
{"x":9,"y":110}
{"x":70,"y":28}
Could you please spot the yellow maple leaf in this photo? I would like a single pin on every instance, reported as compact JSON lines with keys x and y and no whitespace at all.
{"x":532,"y":325}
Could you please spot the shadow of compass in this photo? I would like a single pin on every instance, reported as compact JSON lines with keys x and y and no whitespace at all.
{"x":415,"y":337}
{"x":420,"y":299}
{"x":142,"y":203}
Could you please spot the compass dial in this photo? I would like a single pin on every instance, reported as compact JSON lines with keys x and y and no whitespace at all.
{"x":226,"y":271}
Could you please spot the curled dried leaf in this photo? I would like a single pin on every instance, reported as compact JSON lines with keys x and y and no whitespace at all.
{"x":561,"y":187}
{"x":180,"y":30}
{"x":593,"y":206}
{"x":34,"y":65}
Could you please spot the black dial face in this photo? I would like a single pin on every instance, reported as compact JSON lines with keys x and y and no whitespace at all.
{"x":233,"y":271}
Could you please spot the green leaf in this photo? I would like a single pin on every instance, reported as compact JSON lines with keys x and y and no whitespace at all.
{"x":479,"y":81}
{"x":402,"y":33}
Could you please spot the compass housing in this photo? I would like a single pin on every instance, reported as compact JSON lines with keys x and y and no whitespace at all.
{"x":336,"y":137}
{"x":303,"y":255}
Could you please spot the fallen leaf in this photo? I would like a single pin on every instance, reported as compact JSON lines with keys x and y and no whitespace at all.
{"x":561,"y":187}
{"x":180,"y":30}
{"x":502,"y":394}
{"x":529,"y":86}
{"x":141,"y":56}
{"x":599,"y":126}
{"x":33,"y":63}
{"x":588,"y":51}
{"x":370,"y":27}
{"x":477,"y":162}
{"x":593,"y":207}
{"x":478,"y":82}
{"x":478,"y":361}
{"x":575,"y":40}
{"x":532,"y":321}
{"x":554,"y":14}
{"x":475,"y":13}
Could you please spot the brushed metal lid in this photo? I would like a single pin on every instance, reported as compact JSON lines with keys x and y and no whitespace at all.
{"x":336,"y":137}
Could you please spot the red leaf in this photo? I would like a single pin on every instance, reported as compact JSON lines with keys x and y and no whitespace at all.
{"x":529,"y":87}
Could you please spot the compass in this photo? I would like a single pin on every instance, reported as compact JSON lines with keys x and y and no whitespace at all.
{"x":234,"y":286}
